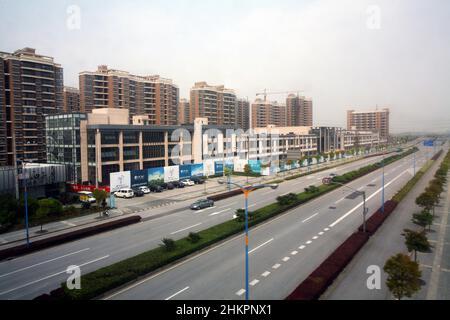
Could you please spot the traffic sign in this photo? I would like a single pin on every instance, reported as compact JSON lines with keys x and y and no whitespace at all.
{"x":326,"y":180}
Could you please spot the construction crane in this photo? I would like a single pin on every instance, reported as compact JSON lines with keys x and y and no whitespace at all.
{"x":265,"y":93}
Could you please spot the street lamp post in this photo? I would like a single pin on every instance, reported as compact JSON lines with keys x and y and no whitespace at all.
{"x":328,"y":180}
{"x":246,"y":190}
{"x":382,"y":188}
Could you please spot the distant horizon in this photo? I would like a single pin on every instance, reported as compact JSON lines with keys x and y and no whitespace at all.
{"x":343,"y":55}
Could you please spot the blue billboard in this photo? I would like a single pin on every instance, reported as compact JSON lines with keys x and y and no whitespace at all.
{"x":155,"y":175}
{"x":255,"y":165}
{"x":218,"y":167}
{"x":428,"y":143}
{"x":197,"y":170}
{"x":185,"y":171}
{"x":138,"y":178}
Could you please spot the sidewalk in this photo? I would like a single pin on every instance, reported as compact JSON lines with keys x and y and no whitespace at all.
{"x":146,"y":205}
{"x":388,"y":241}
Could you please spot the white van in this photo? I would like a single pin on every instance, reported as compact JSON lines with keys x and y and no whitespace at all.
{"x":86,"y":196}
{"x":124,"y":193}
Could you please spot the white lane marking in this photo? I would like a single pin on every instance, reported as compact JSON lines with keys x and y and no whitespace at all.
{"x":286,"y":259}
{"x":320,"y":233}
{"x":228,"y":205}
{"x":3,"y":240}
{"x":302,"y":247}
{"x":254,"y":282}
{"x":209,"y":208}
{"x":341,"y":199}
{"x":326,"y":229}
{"x":370,"y":197}
{"x":218,"y":212}
{"x":69,"y":223}
{"x":240,"y":292}
{"x":294,"y":253}
{"x":374,"y":180}
{"x":261,"y":245}
{"x":177,"y":293}
{"x":315,"y":214}
{"x":184,"y":229}
{"x":308,"y":242}
{"x":276,"y":266}
{"x":265,"y":274}
{"x":43,"y":262}
{"x":315,"y":237}
{"x":50,"y":276}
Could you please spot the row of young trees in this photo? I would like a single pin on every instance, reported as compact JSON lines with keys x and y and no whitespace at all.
{"x":404,"y":273}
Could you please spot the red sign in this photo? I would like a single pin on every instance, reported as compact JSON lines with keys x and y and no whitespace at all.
{"x":80,"y":187}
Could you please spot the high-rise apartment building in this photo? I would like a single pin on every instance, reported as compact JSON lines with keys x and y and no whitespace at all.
{"x":216,"y":103}
{"x":71,"y":99}
{"x":243,"y":114}
{"x":266,"y":113}
{"x":184,"y":112}
{"x":31,"y":87}
{"x":141,"y":95}
{"x":375,"y":120}
{"x":299,"y":111}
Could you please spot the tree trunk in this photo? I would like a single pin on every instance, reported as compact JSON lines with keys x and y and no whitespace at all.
{"x":415,"y":256}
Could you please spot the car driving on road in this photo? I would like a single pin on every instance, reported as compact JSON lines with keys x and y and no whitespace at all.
{"x":201,"y":204}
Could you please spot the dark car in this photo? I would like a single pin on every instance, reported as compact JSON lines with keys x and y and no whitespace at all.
{"x":198,"y":180}
{"x":170,"y":186}
{"x":156,"y":188}
{"x":178,"y":184}
{"x":201,"y":204}
{"x":163,"y":185}
{"x":138,"y":192}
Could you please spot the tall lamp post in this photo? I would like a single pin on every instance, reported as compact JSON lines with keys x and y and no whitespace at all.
{"x":23,"y":175}
{"x":246,"y":190}
{"x":329,"y":180}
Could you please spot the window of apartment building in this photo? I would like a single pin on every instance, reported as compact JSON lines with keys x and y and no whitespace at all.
{"x":91,"y":155}
{"x":130,"y":153}
{"x":152,"y":137}
{"x":153,"y":152}
{"x":110,"y":137}
{"x":131,"y":166}
{"x":110,"y":154}
{"x":131,"y":137}
{"x":154,"y":164}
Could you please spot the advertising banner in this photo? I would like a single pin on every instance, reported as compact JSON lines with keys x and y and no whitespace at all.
{"x":138,"y":178}
{"x":185,"y":171}
{"x":197,"y":170}
{"x":171,"y":173}
{"x":155,"y":175}
{"x":208,"y":167}
{"x":239,"y":165}
{"x":119,"y":180}
{"x":218,"y":167}
{"x":255,"y":165}
{"x":75,"y":188}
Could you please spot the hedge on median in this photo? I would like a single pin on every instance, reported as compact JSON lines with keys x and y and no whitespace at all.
{"x":105,"y":279}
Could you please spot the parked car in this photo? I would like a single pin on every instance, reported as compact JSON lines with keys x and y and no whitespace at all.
{"x":170,"y":186}
{"x":138,"y":192}
{"x":124,"y":193}
{"x":201,"y":204}
{"x":156,"y":188}
{"x":144,"y":189}
{"x":187,"y":182}
{"x":198,"y":180}
{"x":163,"y":185}
{"x":178,"y":184}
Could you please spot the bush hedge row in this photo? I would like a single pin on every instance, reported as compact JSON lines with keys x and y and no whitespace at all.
{"x":66,"y":237}
{"x":105,"y":279}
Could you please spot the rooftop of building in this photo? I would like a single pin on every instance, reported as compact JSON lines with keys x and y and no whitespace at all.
{"x":203,"y":85}
{"x":29,"y":54}
{"x":105,"y":71}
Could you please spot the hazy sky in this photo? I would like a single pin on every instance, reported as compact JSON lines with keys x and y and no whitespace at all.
{"x":341,"y":53}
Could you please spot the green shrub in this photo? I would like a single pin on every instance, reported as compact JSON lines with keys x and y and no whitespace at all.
{"x":194,"y":237}
{"x":168,"y":244}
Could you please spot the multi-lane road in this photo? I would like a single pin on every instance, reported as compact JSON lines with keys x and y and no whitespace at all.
{"x":282,"y":252}
{"x":218,"y":272}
